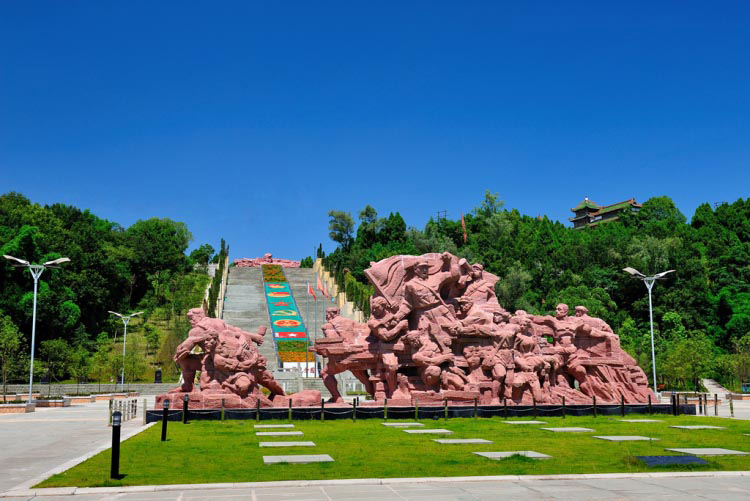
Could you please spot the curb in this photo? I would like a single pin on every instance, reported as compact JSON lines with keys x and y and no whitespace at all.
{"x":72,"y":491}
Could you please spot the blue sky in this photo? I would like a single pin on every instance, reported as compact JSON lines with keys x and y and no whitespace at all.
{"x":250,"y":120}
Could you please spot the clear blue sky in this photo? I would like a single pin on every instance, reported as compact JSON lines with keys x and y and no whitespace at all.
{"x":250,"y":120}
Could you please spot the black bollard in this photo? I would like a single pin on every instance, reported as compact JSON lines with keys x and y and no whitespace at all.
{"x":416,"y":409}
{"x":322,"y":409}
{"x":164,"y":415}
{"x":475,"y":407}
{"x":563,"y":406}
{"x":533,"y":401}
{"x":290,"y":409}
{"x":445,"y":408}
{"x":257,"y":410}
{"x":649,"y":405}
{"x":354,"y":409}
{"x":185,"y":401}
{"x":505,"y":408}
{"x":385,"y":409}
{"x":114,"y":470}
{"x":622,"y":405}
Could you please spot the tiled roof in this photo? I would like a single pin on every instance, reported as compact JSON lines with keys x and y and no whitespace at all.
{"x":618,"y":206}
{"x":585,"y":203}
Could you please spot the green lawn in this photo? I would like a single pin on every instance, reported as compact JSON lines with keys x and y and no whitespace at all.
{"x":215,"y":451}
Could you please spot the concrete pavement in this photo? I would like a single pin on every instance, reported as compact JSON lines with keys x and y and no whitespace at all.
{"x":37,"y":444}
{"x":724,"y":486}
{"x":33,"y":444}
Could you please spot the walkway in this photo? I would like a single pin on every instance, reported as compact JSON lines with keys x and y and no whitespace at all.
{"x":648,"y":486}
{"x":37,"y":442}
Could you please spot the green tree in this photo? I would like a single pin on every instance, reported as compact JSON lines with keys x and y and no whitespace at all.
{"x":690,"y":360}
{"x":10,"y":346}
{"x":80,"y":365}
{"x":56,"y":356}
{"x":202,"y":255}
{"x":341,"y":227}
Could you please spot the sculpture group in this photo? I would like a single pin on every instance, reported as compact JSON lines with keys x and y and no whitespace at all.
{"x":232,"y":370}
{"x":266,"y":259}
{"x":437,"y":332}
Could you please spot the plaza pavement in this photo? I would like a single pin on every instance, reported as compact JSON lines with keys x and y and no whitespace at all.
{"x":51,"y":440}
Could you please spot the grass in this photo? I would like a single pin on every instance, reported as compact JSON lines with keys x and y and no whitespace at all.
{"x":228,"y":451}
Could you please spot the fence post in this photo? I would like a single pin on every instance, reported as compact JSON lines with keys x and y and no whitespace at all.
{"x":475,"y":407}
{"x":533,"y":402}
{"x":622,"y":405}
{"x":290,"y":409}
{"x":445,"y":408}
{"x":731,"y":405}
{"x":594,"y":397}
{"x":716,"y":404}
{"x":563,"y":406}
{"x":385,"y":409}
{"x":505,"y":407}
{"x":257,"y":410}
{"x":222,"y":409}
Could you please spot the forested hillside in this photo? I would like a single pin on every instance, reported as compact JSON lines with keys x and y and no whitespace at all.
{"x":142,"y":267}
{"x":701,"y":312}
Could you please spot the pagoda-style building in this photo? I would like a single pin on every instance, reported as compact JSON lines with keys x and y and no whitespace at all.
{"x":588,"y":214}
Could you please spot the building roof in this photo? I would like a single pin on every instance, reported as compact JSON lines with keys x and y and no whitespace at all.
{"x":619,"y":206}
{"x":585,"y":203}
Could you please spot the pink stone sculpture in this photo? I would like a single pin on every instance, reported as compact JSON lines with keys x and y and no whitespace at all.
{"x":266,"y":259}
{"x":437,"y":333}
{"x":232,"y":370}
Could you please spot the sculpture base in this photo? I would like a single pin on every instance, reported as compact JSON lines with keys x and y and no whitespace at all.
{"x":217,"y":400}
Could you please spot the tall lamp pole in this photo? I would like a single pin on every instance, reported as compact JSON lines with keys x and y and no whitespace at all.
{"x":125,"y":320}
{"x":649,"y":281}
{"x":36,"y":272}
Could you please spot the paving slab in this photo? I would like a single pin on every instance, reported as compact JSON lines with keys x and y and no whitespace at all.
{"x":402,"y":425}
{"x":525,"y":422}
{"x":623,"y":438}
{"x":699,"y":427}
{"x":571,"y":429}
{"x":641,"y":420}
{"x":277,"y":433}
{"x":298,"y":459}
{"x":709,"y":451}
{"x":270,"y":426}
{"x":462,"y":441}
{"x":287,"y":444}
{"x":432,"y":430}
{"x":507,"y":454}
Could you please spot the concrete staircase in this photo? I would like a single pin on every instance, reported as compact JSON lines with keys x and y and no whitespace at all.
{"x":245,"y":307}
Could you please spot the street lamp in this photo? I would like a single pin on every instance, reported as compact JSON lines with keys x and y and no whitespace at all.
{"x":649,"y":281}
{"x":36,"y":271}
{"x":125,"y":320}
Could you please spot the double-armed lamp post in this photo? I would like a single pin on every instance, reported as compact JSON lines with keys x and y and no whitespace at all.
{"x":125,"y":320}
{"x":36,"y":271}
{"x":649,"y":281}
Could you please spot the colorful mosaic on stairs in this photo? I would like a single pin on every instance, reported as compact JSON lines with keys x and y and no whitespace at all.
{"x":289,"y":334}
